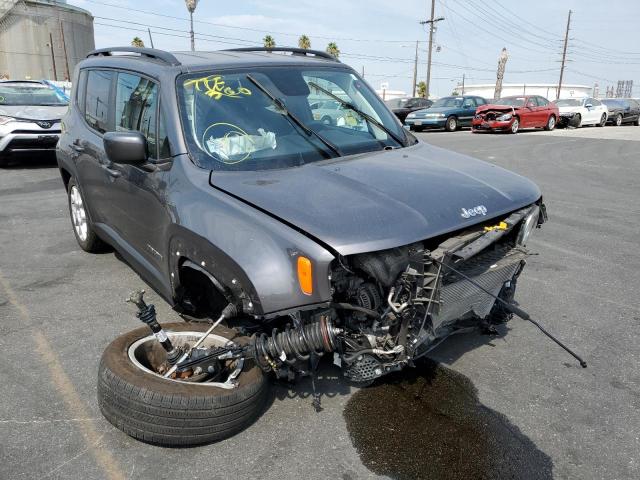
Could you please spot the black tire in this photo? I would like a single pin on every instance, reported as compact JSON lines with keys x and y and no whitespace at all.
{"x":577,"y":121}
{"x":417,"y":129}
{"x":91,"y":242}
{"x":451,"y":124}
{"x":168,"y":413}
{"x":618,"y":121}
{"x":4,"y":161}
{"x":326,"y":120}
{"x":637,"y":122}
{"x":551,"y":123}
{"x":603,"y":120}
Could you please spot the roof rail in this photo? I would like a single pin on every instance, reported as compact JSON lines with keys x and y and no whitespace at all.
{"x":293,"y":50}
{"x":143,"y":52}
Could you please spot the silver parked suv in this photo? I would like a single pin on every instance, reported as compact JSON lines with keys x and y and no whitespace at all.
{"x":30,"y":114}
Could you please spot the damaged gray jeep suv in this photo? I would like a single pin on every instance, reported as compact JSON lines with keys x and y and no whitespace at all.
{"x":215,"y":178}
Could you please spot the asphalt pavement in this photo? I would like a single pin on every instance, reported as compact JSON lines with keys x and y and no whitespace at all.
{"x":507,"y":406}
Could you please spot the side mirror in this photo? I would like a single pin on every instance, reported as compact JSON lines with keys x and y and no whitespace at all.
{"x":589,"y":105}
{"x":129,"y":148}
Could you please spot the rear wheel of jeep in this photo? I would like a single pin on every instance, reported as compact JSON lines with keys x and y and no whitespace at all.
{"x":170,"y":412}
{"x":82,"y":226}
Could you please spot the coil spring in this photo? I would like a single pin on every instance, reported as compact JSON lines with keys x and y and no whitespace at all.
{"x":290,"y":345}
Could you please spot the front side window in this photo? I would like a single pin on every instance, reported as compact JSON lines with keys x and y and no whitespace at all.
{"x":136,"y":107}
{"x":230,"y":123}
{"x":543,"y":102}
{"x":97,"y":99}
{"x":568,"y":102}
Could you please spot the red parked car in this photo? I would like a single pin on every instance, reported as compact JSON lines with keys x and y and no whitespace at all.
{"x":513,"y":113}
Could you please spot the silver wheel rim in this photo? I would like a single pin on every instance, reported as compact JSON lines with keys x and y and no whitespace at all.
{"x":452,"y":124}
{"x":178,"y":339}
{"x":78,"y":214}
{"x":618,"y":120}
{"x":514,"y":126}
{"x":552,"y":123}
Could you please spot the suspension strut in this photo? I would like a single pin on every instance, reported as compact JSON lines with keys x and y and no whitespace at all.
{"x":147,"y":315}
{"x":290,"y":345}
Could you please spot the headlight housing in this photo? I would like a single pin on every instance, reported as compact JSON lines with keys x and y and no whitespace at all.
{"x":528,"y":224}
{"x":411,"y":115}
{"x":505,"y":118}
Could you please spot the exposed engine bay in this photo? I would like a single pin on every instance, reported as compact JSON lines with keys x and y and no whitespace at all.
{"x":389,"y":308}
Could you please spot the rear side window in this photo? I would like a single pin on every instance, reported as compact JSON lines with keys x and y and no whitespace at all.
{"x":543,"y":102}
{"x":81,"y":90}
{"x":136,"y":107}
{"x":97,"y":99}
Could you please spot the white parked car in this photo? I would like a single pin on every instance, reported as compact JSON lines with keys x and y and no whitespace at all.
{"x":30,"y":113}
{"x":576,"y":112}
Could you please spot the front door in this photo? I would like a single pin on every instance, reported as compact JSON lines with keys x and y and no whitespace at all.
{"x":469,"y":110}
{"x":137,"y":206}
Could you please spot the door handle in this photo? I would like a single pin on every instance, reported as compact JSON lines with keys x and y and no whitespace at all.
{"x":112,"y":171}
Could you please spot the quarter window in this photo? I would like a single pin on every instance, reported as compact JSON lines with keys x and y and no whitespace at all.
{"x":97,"y":99}
{"x":136,"y":107}
{"x":81,"y":90}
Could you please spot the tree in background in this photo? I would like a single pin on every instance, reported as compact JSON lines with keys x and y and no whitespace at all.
{"x":422,"y":89}
{"x":269,"y":42}
{"x":332,"y":49}
{"x":137,"y":42}
{"x":304,"y":42}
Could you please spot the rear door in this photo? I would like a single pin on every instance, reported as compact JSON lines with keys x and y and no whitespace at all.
{"x":544,"y":110}
{"x":87,"y":145}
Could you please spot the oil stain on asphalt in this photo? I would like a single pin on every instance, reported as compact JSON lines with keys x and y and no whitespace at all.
{"x":429,"y":424}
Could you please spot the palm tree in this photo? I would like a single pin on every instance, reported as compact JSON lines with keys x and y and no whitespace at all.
{"x":137,"y":42}
{"x":269,"y":41}
{"x":422,"y":89}
{"x":304,"y":42}
{"x":332,"y":49}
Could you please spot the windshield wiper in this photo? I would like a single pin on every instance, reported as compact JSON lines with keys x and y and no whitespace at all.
{"x":364,"y":115}
{"x":279,"y":103}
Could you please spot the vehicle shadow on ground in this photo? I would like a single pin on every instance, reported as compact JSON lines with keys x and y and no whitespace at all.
{"x":31,"y":162}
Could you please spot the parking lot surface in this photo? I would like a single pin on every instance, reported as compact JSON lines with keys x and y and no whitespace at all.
{"x":506,"y":406}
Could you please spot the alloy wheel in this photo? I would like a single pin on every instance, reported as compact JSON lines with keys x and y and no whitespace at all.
{"x":78,"y":213}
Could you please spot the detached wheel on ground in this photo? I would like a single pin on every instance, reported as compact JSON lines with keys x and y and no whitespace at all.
{"x":82,"y":227}
{"x":551,"y":123}
{"x":166,"y":412}
{"x":452,"y":124}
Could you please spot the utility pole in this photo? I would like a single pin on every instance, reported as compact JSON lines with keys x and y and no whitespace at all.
{"x":431,"y":22}
{"x":415,"y":72}
{"x":150,"y":37}
{"x":191,"y":6}
{"x":66,"y":58}
{"x":362,"y":71}
{"x":53,"y":57}
{"x":564,"y":54}
{"x":502,"y":63}
{"x":462,"y":84}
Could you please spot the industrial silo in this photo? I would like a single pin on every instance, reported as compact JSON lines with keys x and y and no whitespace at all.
{"x":43,"y":39}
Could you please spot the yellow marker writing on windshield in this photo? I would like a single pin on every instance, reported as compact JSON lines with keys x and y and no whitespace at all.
{"x":214,"y":86}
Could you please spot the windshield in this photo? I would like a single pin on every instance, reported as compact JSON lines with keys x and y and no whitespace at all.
{"x":29,"y":94}
{"x":454,"y":102}
{"x":230,"y":124}
{"x":569,"y":102}
{"x":511,"y":101}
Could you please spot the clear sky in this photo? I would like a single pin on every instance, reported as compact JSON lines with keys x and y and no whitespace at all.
{"x":380,"y":35}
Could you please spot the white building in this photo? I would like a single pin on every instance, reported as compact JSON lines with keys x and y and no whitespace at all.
{"x":547,"y":90}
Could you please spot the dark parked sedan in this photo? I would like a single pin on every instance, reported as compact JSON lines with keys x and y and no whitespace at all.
{"x":449,"y":113}
{"x":411,"y":105}
{"x":622,"y":110}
